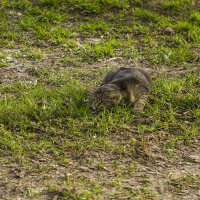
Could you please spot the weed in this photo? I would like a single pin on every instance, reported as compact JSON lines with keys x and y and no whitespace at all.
{"x":132,"y":169}
{"x":3,"y":64}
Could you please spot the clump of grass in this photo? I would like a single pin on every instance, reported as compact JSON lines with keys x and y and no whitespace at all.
{"x":177,"y":5}
{"x":184,"y":182}
{"x":44,"y":31}
{"x":180,"y":53}
{"x":10,"y":145}
{"x":99,"y":5}
{"x":51,"y":16}
{"x":115,"y":4}
{"x":145,"y":15}
{"x":2,"y":55}
{"x":195,"y":18}
{"x":88,"y":7}
{"x":19,"y":5}
{"x":3,"y":61}
{"x":60,"y":32}
{"x":189,"y":31}
{"x":50,"y":2}
{"x":3,"y":64}
{"x":31,"y":192}
{"x":150,"y":16}
{"x":94,"y":27}
{"x":131,"y":53}
{"x":172,"y":5}
{"x":140,"y":193}
{"x":68,"y":62}
{"x":138,"y":2}
{"x":184,"y":26}
{"x":35,"y":54}
{"x":101,"y":50}
{"x":68,"y":192}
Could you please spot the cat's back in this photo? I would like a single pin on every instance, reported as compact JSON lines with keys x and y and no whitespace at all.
{"x":127,"y":75}
{"x":134,"y":72}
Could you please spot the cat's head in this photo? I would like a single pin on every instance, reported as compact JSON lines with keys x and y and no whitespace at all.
{"x":106,"y":96}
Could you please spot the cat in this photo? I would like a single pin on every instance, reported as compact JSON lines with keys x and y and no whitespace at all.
{"x":123,"y":87}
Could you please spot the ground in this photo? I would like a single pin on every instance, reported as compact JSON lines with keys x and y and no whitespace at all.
{"x":53,"y":54}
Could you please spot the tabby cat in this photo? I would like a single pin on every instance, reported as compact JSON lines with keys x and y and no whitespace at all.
{"x":123,"y":86}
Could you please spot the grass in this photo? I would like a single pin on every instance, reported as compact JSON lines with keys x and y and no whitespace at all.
{"x":66,"y":47}
{"x":177,"y":5}
{"x":46,"y":22}
{"x":57,"y":111}
{"x":4,"y":64}
{"x":3,"y":60}
{"x":183,"y":182}
{"x":195,"y":18}
{"x":101,"y":50}
{"x":62,"y":111}
{"x":97,"y":27}
{"x":36,"y":54}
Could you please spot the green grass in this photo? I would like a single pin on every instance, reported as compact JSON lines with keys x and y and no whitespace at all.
{"x":65,"y":48}
{"x":62,"y":111}
{"x":101,"y":50}
{"x":195,"y":18}
{"x":36,"y":54}
{"x":177,"y":7}
{"x":97,"y":27}
{"x":47,"y":20}
{"x":3,"y":60}
{"x":187,"y":181}
{"x":4,"y":64}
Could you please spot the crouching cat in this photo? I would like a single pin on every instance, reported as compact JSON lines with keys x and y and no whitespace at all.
{"x":122,"y":87}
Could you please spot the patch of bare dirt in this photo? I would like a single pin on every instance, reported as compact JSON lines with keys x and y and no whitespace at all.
{"x":156,"y":171}
{"x":19,"y":67}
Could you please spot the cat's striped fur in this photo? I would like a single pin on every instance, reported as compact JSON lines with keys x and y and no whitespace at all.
{"x":123,"y":86}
